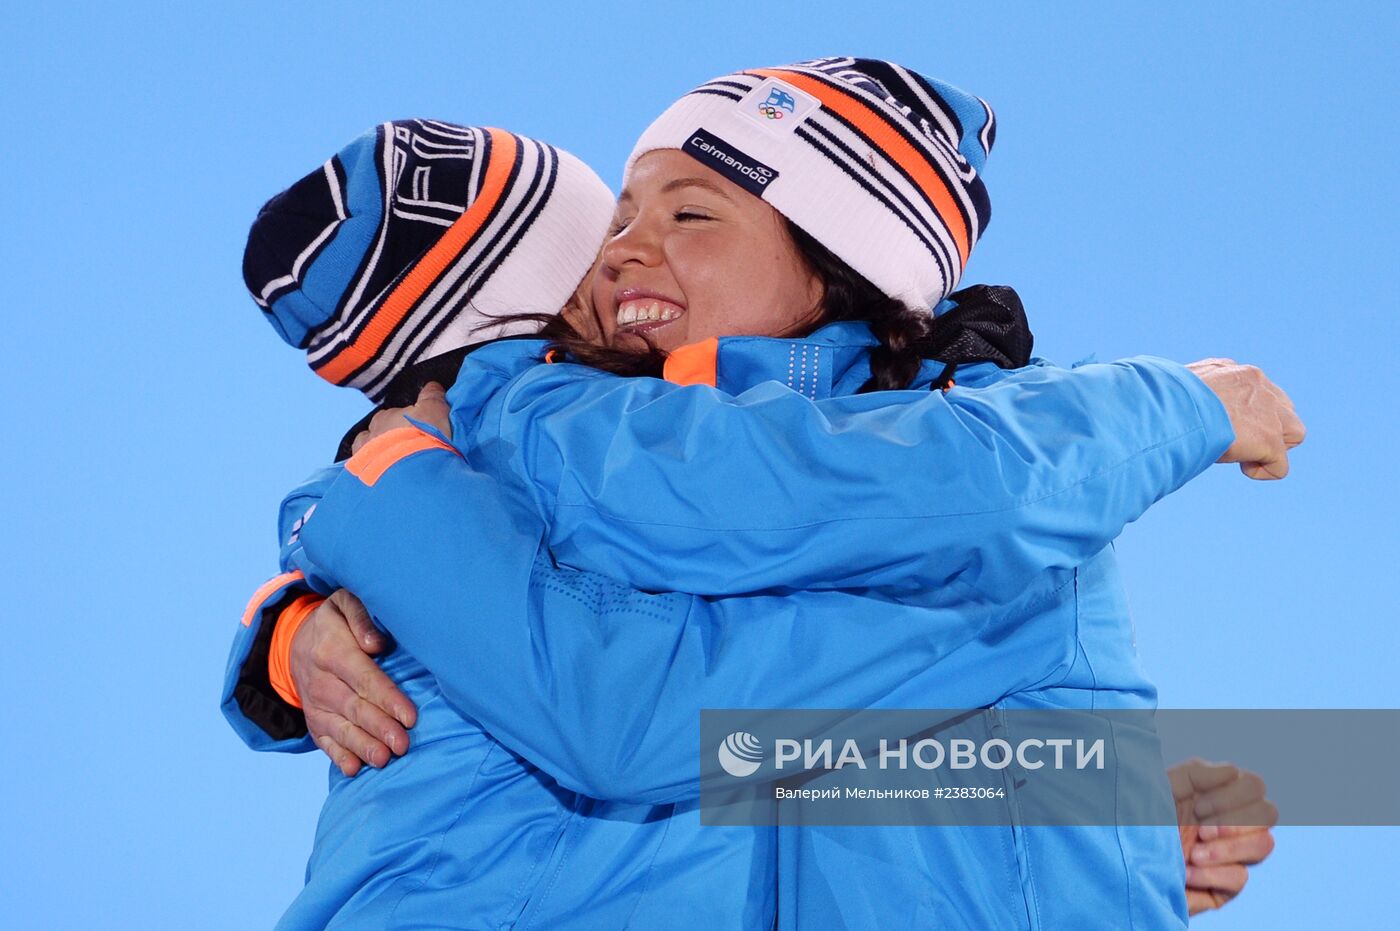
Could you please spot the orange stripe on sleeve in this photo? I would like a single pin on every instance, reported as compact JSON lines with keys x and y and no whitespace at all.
{"x":265,"y":591}
{"x":694,"y":364}
{"x":458,"y":236}
{"x":279,"y":656}
{"x":874,"y":125}
{"x":378,"y":455}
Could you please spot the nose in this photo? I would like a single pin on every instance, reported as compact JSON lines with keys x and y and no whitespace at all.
{"x":639,"y":243}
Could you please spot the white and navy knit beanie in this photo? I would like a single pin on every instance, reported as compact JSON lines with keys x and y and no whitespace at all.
{"x":879,"y":164}
{"x":414,"y":238}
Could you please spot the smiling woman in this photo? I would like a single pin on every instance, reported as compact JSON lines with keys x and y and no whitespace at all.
{"x":692,"y":255}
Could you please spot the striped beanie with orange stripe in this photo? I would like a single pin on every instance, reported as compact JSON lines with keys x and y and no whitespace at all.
{"x":414,"y":238}
{"x":879,"y":164}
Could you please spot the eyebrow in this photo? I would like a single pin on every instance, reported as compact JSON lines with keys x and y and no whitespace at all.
{"x":675,"y":184}
{"x":678,"y":183}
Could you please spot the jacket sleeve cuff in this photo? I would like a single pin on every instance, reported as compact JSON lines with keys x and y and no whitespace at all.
{"x":249,"y":703}
{"x":1218,"y":432}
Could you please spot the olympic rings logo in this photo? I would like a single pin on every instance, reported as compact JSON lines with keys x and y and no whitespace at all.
{"x":773,"y":113}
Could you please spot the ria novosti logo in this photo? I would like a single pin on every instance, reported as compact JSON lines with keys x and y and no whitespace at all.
{"x":741,"y":754}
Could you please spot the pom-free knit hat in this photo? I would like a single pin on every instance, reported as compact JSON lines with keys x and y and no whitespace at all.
{"x":412,"y":239}
{"x":879,"y":164}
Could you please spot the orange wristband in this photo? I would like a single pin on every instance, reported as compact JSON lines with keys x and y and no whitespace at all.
{"x":279,"y":657}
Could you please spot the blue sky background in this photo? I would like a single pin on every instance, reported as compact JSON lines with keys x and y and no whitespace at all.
{"x":1186,"y":180}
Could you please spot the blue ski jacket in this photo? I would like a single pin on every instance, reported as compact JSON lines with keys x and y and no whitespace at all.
{"x":897,"y":549}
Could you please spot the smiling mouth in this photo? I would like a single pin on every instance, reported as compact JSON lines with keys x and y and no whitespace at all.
{"x":647,"y":313}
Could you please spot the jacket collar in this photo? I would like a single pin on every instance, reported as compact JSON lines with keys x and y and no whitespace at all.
{"x":979,"y":326}
{"x":817,"y":366}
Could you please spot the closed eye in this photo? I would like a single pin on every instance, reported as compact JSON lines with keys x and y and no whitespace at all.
{"x":686,"y":216}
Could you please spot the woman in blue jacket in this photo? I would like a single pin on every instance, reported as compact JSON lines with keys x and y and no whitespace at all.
{"x":515,"y":419}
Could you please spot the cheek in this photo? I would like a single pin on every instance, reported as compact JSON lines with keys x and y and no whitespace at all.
{"x":600,"y":294}
{"x":741,"y":288}
{"x":778,"y":293}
